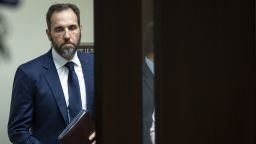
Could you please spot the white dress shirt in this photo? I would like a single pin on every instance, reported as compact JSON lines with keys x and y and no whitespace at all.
{"x":152,"y":129}
{"x":150,"y":64}
{"x":63,"y":75}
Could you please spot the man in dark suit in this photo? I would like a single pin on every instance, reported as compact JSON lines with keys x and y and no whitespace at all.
{"x":148,"y":102}
{"x":41,"y":98}
{"x":148,"y":83}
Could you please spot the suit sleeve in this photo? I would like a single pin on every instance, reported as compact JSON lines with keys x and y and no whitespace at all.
{"x":21,"y":111}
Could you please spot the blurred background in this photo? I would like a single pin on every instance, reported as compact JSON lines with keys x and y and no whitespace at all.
{"x":23,"y":37}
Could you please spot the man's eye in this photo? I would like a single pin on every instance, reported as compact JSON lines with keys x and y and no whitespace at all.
{"x":72,"y":27}
{"x":58,"y":29}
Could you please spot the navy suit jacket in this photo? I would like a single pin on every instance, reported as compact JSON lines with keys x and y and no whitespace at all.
{"x":38,"y":111}
{"x":148,"y":102}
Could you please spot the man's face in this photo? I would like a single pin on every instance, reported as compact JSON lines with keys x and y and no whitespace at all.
{"x":65,"y":33}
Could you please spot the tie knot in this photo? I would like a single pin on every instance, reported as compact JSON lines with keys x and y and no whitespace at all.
{"x":70,"y":66}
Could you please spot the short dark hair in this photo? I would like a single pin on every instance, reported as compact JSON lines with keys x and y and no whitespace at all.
{"x":60,"y":7}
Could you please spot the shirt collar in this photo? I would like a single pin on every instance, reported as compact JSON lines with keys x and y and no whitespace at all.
{"x":60,"y":61}
{"x":150,"y":64}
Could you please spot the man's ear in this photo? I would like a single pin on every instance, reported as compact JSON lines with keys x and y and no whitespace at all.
{"x":48,"y":32}
{"x":81,"y":28}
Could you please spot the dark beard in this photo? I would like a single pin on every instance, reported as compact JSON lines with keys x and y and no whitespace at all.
{"x":66,"y":52}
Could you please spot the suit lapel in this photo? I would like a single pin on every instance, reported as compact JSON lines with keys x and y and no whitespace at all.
{"x":53,"y":81}
{"x":88,"y":77}
{"x":148,"y":77}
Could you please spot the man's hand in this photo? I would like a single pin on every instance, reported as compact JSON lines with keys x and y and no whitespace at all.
{"x":92,"y":138}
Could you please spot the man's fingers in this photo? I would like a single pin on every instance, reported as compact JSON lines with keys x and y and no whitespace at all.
{"x":92,"y":136}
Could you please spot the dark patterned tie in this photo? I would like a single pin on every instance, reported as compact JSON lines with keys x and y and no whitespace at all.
{"x":73,"y":91}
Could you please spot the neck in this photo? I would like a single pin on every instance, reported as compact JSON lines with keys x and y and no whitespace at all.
{"x":150,"y":56}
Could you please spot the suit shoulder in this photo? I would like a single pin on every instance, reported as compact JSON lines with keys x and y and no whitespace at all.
{"x":34,"y":65}
{"x":88,"y":55}
{"x":38,"y":60}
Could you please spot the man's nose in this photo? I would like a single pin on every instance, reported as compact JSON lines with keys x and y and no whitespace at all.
{"x":67,"y":34}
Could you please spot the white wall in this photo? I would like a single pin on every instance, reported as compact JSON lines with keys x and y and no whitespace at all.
{"x":26,"y":39}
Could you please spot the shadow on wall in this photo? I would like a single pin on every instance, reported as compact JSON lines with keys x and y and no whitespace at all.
{"x":4,"y":28}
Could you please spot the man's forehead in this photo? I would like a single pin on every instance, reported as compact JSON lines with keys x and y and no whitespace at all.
{"x":63,"y":13}
{"x":65,"y":17}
